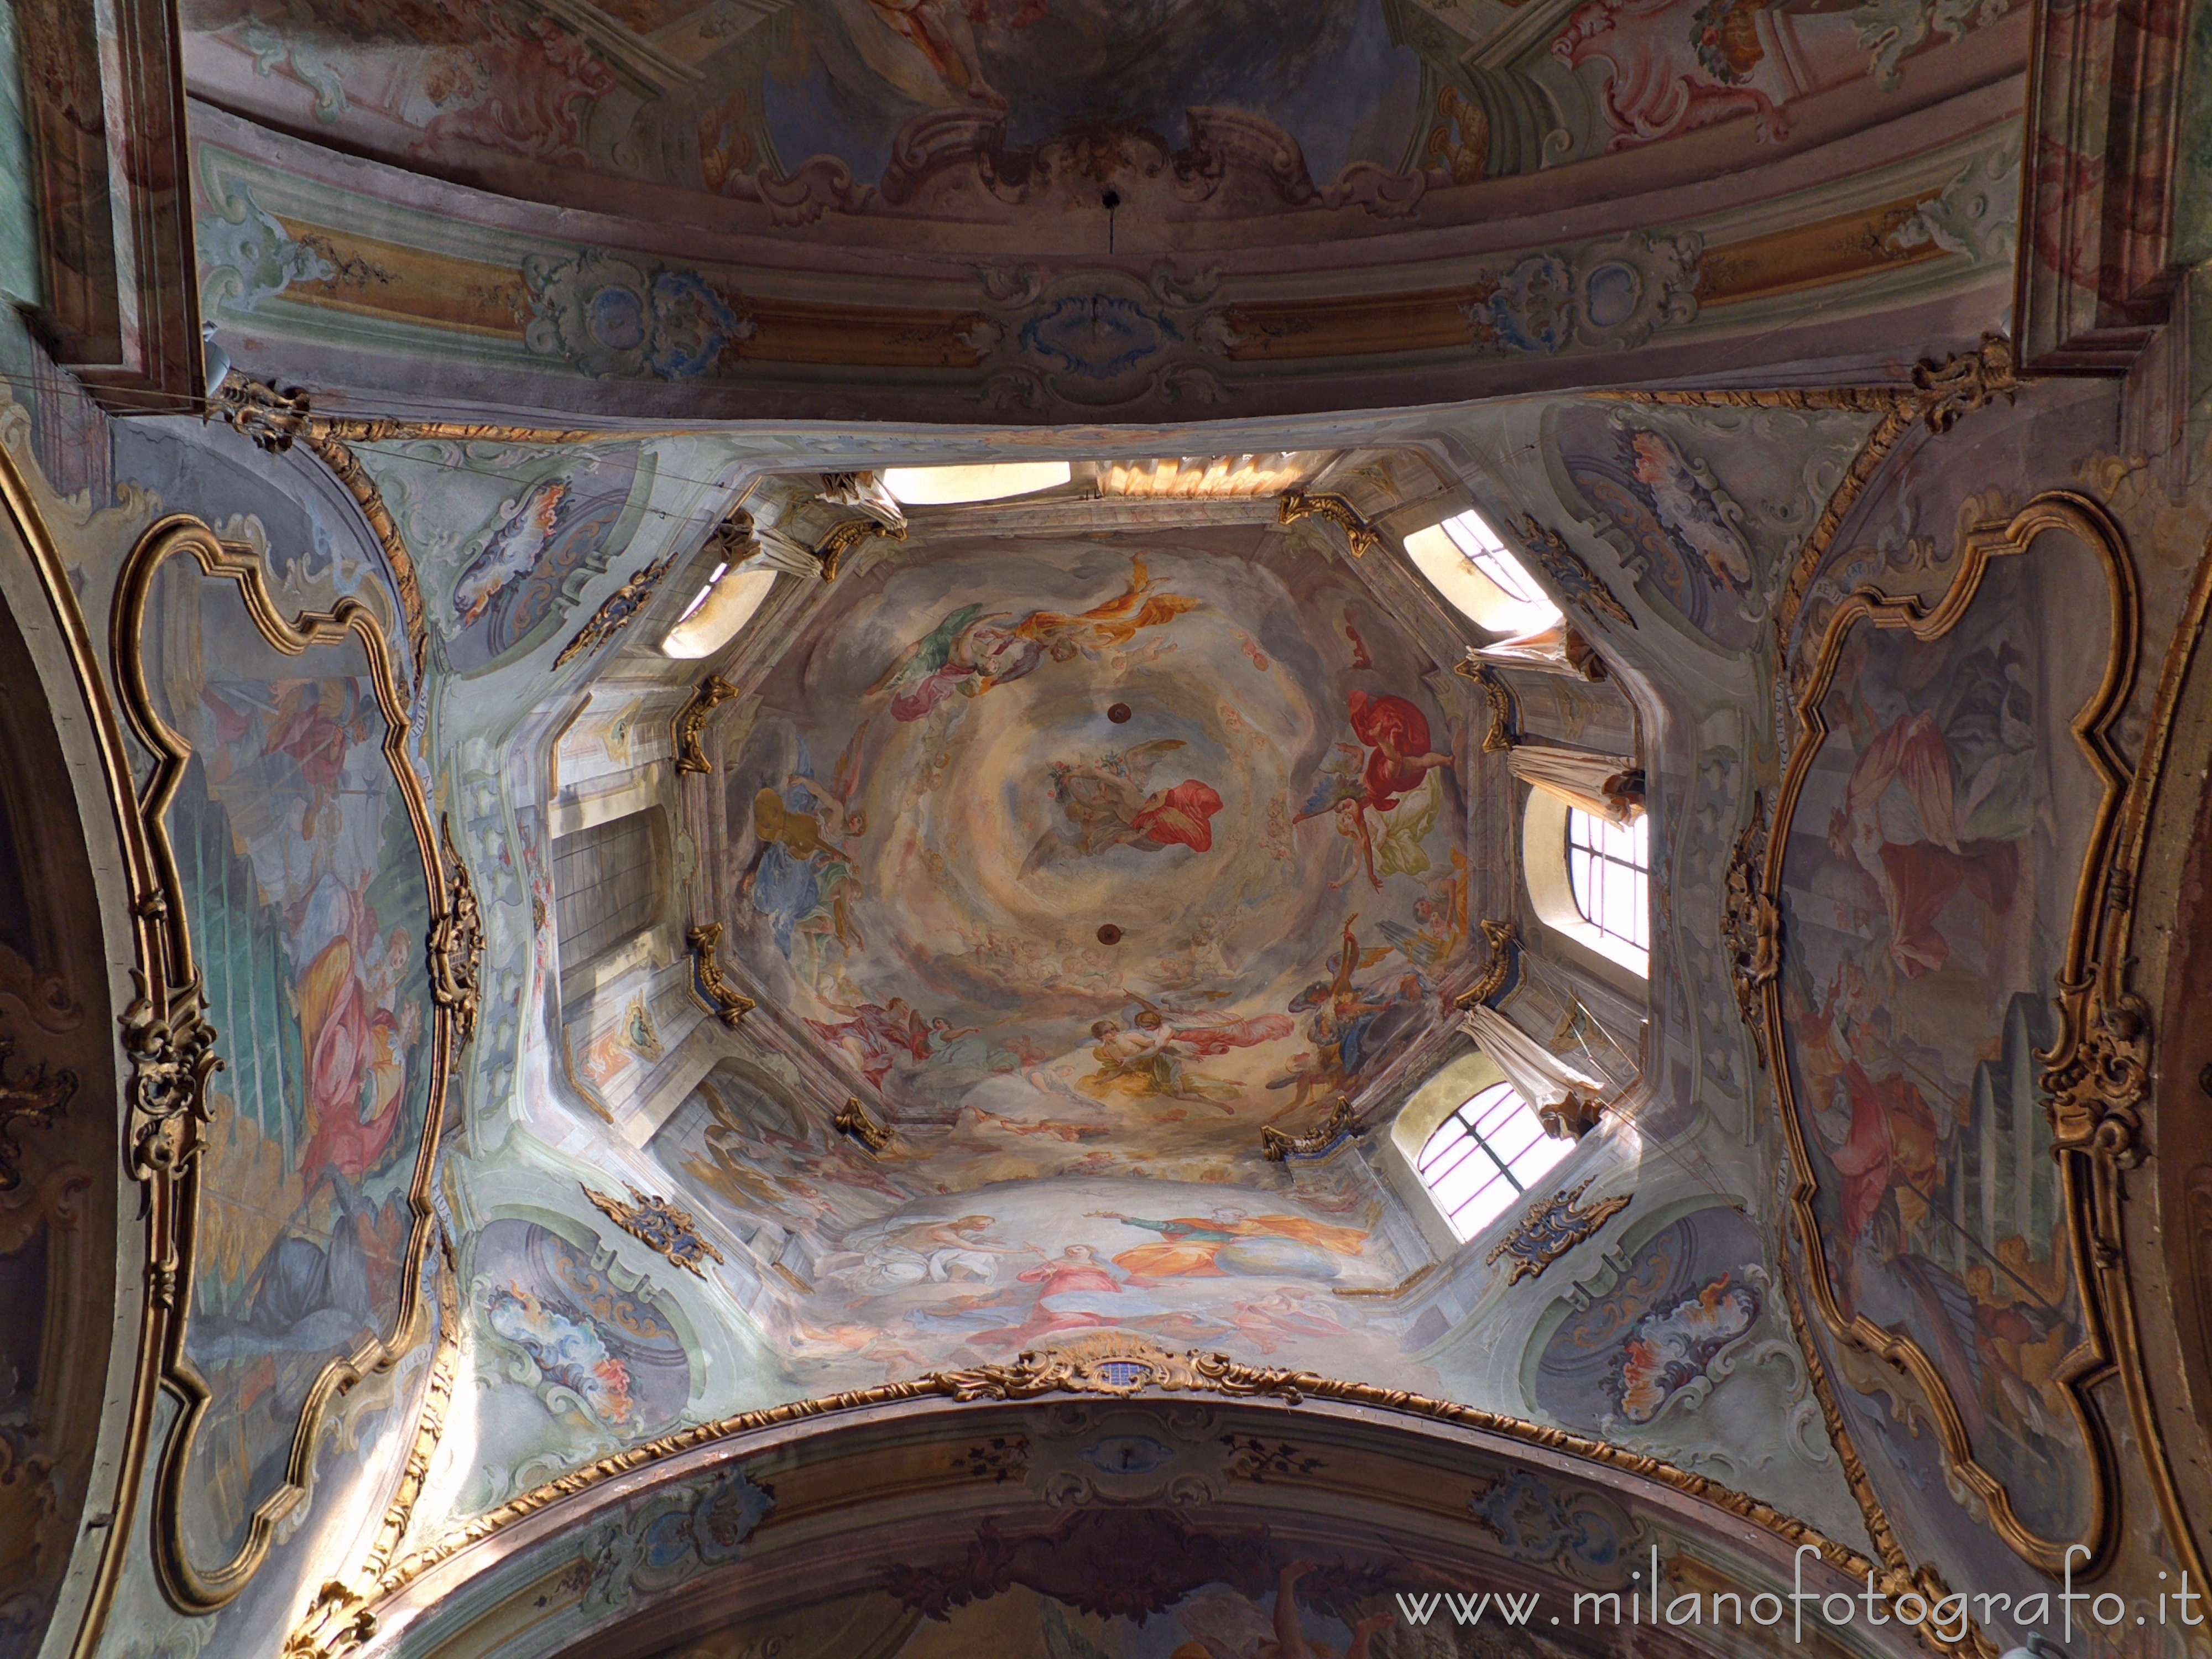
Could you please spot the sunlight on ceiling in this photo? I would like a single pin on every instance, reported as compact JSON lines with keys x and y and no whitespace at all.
{"x":944,"y":486}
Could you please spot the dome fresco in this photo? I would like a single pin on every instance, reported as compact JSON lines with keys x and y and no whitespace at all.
{"x":933,"y":825}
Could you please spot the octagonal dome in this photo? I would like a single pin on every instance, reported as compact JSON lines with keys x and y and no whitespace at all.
{"x":1158,"y":831}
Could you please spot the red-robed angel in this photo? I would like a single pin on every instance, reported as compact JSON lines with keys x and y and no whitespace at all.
{"x":1394,"y":737}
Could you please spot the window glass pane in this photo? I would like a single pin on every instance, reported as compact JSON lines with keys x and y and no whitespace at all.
{"x":1446,"y":1146}
{"x":1476,"y":1173}
{"x":1487,"y":1112}
{"x":1487,"y":1206}
{"x":1512,"y":1137}
{"x":1471,"y":1178}
{"x":1609,"y":870}
{"x":1531,"y":1166}
{"x":1479,"y":545}
{"x":1456,"y":1156}
{"x":1619,"y":908}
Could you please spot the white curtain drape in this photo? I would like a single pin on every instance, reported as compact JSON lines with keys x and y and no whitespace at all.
{"x":1557,"y":649}
{"x":1537,"y":1075}
{"x":867,"y":492}
{"x":780,"y":552}
{"x":1609,"y":787}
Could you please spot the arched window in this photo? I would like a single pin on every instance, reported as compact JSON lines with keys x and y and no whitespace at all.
{"x":1479,"y":545}
{"x":1609,"y":867}
{"x":1471,"y":566}
{"x":1482,"y":1157}
{"x":717,"y":611}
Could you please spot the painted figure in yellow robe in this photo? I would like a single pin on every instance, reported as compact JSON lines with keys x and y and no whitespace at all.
{"x":1148,"y":1063}
{"x":1110,"y":624}
{"x":1231,"y":1243}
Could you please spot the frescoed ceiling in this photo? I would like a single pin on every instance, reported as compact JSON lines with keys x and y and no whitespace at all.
{"x":859,"y":106}
{"x":1145,"y":838}
{"x":1034,"y":209}
{"x":972,"y":1026}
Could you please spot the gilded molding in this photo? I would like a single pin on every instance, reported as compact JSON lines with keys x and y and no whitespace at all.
{"x":1122,"y":1364}
{"x":656,"y":1222}
{"x":275,"y":420}
{"x":456,"y":943}
{"x":1342,"y":1120}
{"x":713,"y":692}
{"x":2100,"y":1054}
{"x":1751,"y":924}
{"x":1298,"y":504}
{"x":2109,"y":1254}
{"x":1118,"y":1364}
{"x":346,"y":467}
{"x":1582,"y":586}
{"x":338,"y":1620}
{"x":1940,"y":392}
{"x":171,"y":1045}
{"x":1966,"y":380}
{"x":388,"y":429}
{"x":2098,"y":1081}
{"x":615,"y":612}
{"x":32,"y":1100}
{"x":1411,"y":1282}
{"x":730,"y":1005}
{"x":844,"y":536}
{"x":1504,"y":941}
{"x":1865,"y":399}
{"x":1499,"y":737}
{"x":1551,"y":1227}
{"x":172,"y":1049}
{"x":853,"y":1119}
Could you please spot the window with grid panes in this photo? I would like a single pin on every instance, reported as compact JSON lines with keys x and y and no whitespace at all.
{"x":1484,"y":1156}
{"x":1610,"y":866}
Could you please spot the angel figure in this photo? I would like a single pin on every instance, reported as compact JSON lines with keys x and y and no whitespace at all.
{"x":1145,"y":1062}
{"x":1151,"y":1058}
{"x":1394,"y":768}
{"x":1114,"y":623}
{"x":1350,"y":1024}
{"x":939,"y":67}
{"x":1107,"y":804}
{"x":968,"y":652}
{"x":1442,"y":918}
{"x":878,"y":1037}
{"x":801,"y":876}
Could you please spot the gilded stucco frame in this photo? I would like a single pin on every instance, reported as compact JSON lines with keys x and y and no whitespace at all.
{"x":2087,"y":984}
{"x":166,"y":1145}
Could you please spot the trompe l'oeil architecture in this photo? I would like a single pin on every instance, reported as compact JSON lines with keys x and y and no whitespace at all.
{"x":919,"y":829}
